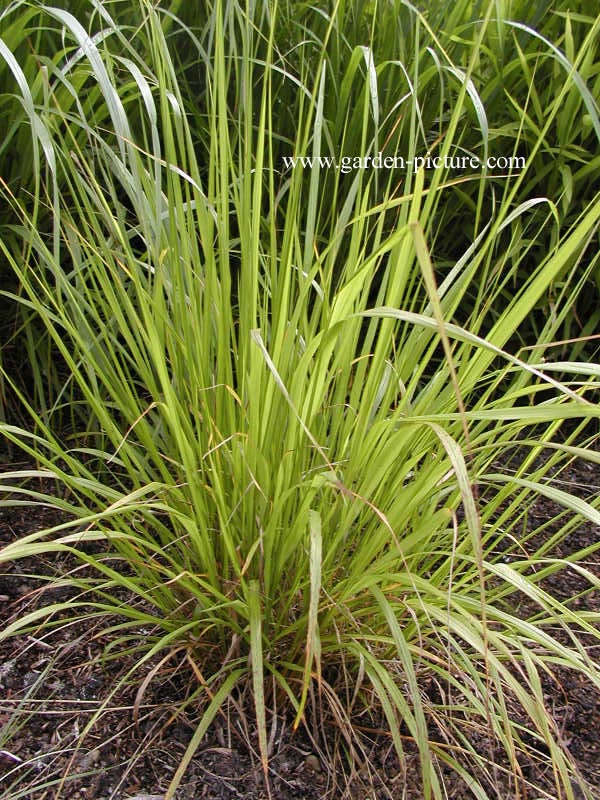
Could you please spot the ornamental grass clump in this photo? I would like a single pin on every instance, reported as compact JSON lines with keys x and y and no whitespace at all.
{"x":288,"y":429}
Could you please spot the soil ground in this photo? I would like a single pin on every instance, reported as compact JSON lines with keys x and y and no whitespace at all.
{"x":53,"y":684}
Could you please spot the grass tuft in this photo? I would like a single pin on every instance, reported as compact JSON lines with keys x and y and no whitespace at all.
{"x":284,"y":406}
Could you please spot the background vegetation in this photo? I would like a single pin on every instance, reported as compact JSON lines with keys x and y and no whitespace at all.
{"x":301,"y":413}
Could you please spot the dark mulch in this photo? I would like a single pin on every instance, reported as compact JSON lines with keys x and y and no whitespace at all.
{"x":53,"y":683}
